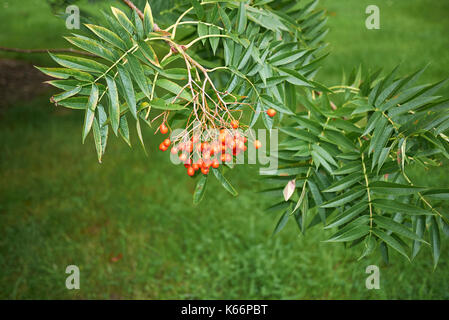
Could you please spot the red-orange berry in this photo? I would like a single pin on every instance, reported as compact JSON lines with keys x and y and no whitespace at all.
{"x":215,"y":163}
{"x":217,"y":148}
{"x":206,"y":163}
{"x":205,"y":146}
{"x":195,"y":139}
{"x":183,"y":157}
{"x":257,"y":144}
{"x":163,"y":128}
{"x":167,"y":142}
{"x":271,"y":112}
{"x":195,"y":166}
{"x":190,"y":171}
{"x":234,"y":124}
{"x":162,"y":147}
{"x":189,"y":146}
{"x":174,"y":150}
{"x":187,"y":163}
{"x":205,"y":170}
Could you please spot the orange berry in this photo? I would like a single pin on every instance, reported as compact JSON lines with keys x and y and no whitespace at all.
{"x":189,"y":146}
{"x":215,"y":163}
{"x":206,"y":164}
{"x":174,"y":150}
{"x":195,"y":139}
{"x":234,"y":124}
{"x":223,"y":157}
{"x":271,"y":112}
{"x":163,"y":128}
{"x":257,"y":144}
{"x":228,"y":141}
{"x":205,"y":170}
{"x":217,"y":148}
{"x":205,"y":146}
{"x":162,"y":147}
{"x":187,"y":163}
{"x":190,"y":171}
{"x":195,"y":166}
{"x":183,"y":157}
{"x":167,"y":142}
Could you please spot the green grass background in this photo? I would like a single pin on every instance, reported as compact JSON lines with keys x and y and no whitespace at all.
{"x":58,"y":206}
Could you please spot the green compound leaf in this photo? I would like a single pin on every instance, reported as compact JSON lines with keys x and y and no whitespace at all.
{"x":224,"y":182}
{"x":200,"y":189}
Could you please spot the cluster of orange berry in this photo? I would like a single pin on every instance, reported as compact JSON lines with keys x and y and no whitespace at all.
{"x":200,"y":156}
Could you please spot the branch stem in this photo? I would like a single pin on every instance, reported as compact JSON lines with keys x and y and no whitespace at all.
{"x":368,"y":191}
{"x":67,"y":50}
{"x":133,"y":6}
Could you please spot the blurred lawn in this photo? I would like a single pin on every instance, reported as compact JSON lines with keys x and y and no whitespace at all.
{"x":58,"y":206}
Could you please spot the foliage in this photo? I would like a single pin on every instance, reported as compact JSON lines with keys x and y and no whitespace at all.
{"x":345,"y":154}
{"x":252,"y":68}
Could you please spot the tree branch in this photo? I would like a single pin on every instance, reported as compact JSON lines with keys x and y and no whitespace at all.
{"x":70,"y":50}
{"x":18,"y":50}
{"x":130,"y":4}
{"x":133,"y":6}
